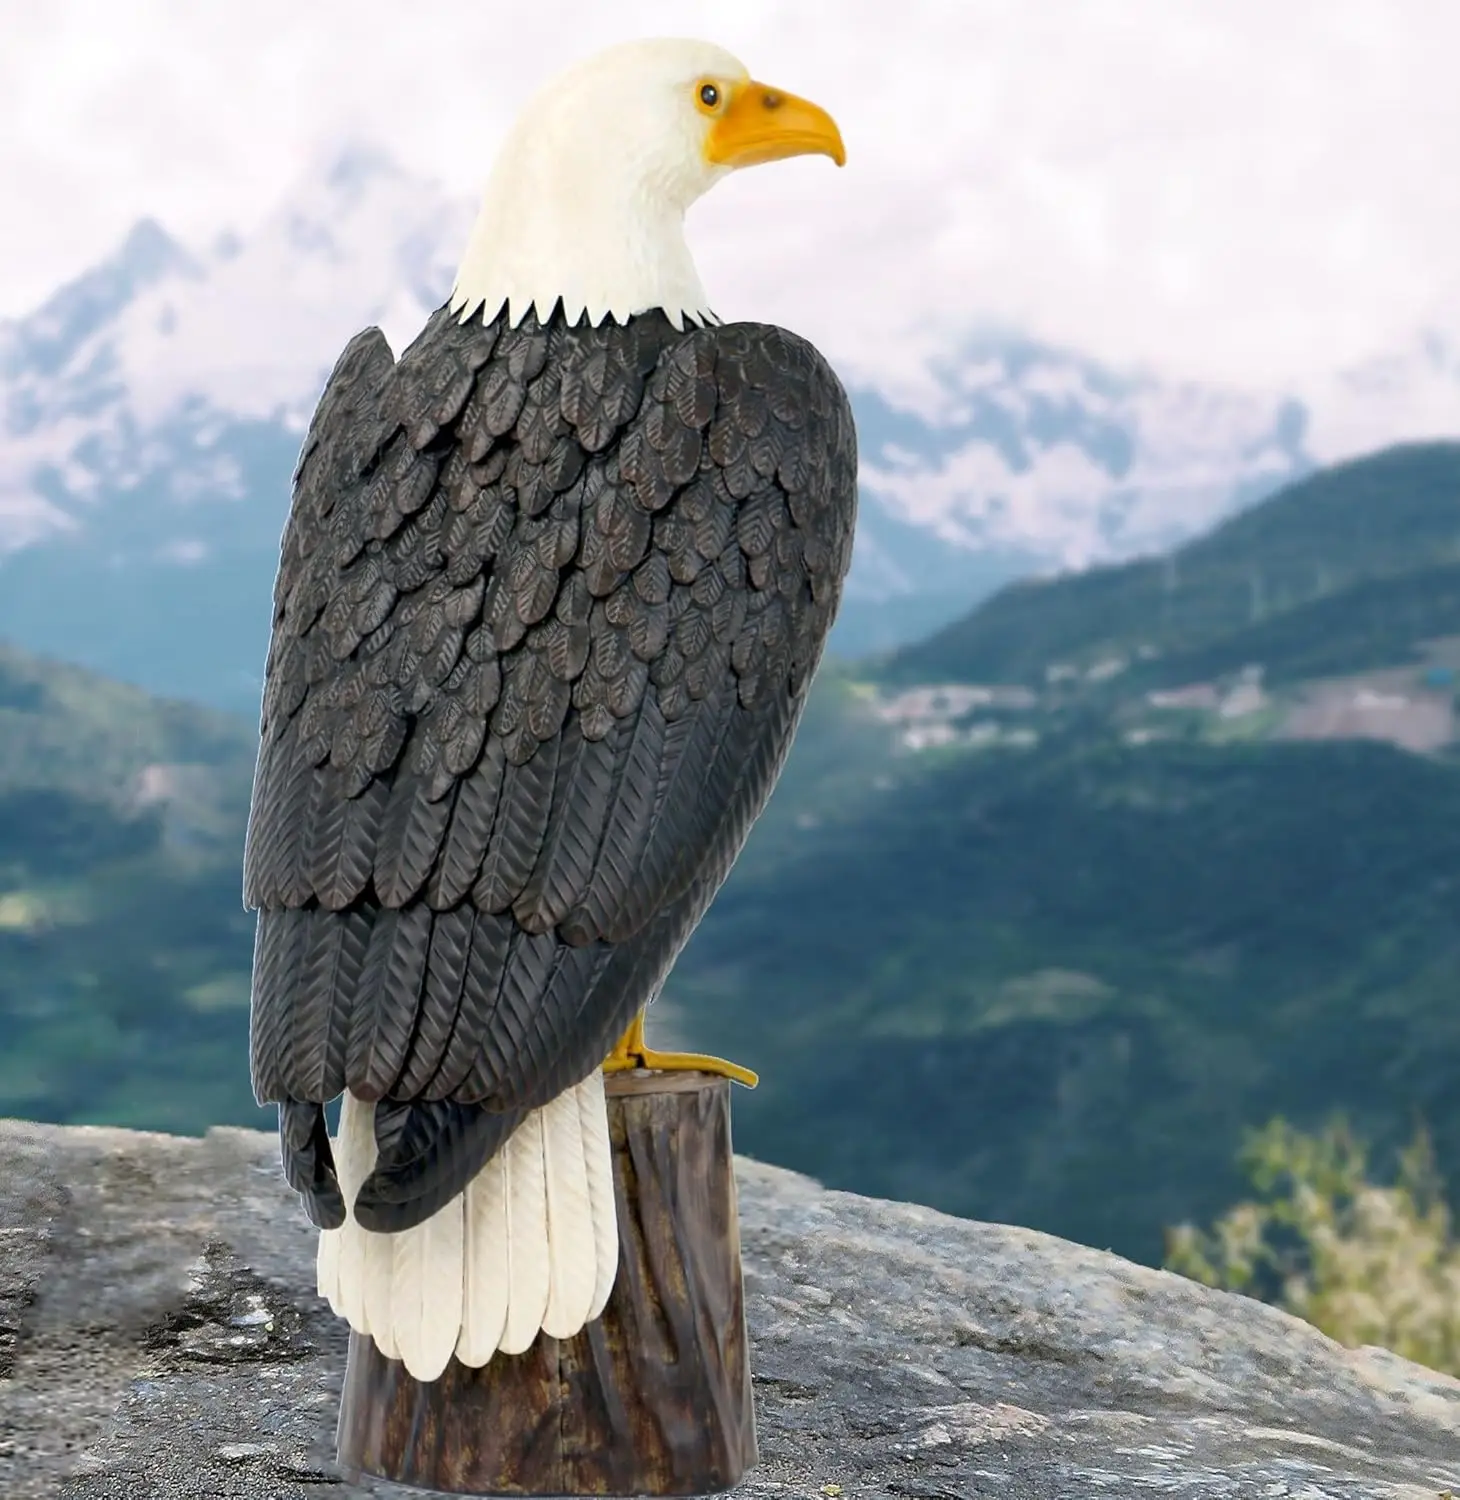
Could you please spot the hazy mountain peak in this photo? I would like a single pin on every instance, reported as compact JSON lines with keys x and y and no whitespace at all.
{"x":44,"y":343}
{"x":1045,"y":454}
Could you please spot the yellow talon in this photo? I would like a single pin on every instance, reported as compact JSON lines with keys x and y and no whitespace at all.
{"x":632,"y":1051}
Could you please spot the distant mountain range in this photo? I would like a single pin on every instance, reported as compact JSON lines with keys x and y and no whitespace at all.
{"x":1045,"y":911}
{"x":150,"y":414}
{"x":1312,"y":565}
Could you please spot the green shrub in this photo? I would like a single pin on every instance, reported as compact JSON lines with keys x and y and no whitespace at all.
{"x":1366,"y":1264}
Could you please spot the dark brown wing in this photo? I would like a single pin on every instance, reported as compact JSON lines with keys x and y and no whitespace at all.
{"x":548,"y":606}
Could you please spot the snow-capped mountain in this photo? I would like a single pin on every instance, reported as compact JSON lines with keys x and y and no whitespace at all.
{"x":150,"y":414}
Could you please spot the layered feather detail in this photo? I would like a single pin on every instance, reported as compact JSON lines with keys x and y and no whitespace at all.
{"x":531,"y":1245}
{"x":549,"y":599}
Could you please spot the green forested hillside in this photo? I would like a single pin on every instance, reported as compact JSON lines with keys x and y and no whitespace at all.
{"x":1373,"y":622}
{"x":1372,"y":519}
{"x":1038,"y":955}
{"x":1054,"y":987}
{"x":124,"y":948}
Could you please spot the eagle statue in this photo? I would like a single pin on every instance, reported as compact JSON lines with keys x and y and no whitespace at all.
{"x":550,"y":596}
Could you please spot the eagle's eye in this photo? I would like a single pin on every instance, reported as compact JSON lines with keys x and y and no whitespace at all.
{"x":709,"y":96}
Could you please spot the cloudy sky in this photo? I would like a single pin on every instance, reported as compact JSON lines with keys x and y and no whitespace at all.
{"x":1251,"y":191}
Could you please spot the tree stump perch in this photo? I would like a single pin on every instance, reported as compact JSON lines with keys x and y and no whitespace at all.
{"x":654,"y":1398}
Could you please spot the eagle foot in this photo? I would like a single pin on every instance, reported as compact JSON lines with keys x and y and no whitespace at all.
{"x":632,"y":1052}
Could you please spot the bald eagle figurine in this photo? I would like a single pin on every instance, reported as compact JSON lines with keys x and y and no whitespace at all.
{"x":551,"y":593}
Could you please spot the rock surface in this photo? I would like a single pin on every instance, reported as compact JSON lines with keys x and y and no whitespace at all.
{"x":159,"y":1337}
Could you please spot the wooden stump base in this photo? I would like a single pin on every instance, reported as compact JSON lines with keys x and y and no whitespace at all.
{"x":653,"y":1398}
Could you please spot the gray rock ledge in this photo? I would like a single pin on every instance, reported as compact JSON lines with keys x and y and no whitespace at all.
{"x":159,"y":1337}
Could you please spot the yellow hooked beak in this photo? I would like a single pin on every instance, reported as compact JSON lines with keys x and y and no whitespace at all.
{"x":760,"y":124}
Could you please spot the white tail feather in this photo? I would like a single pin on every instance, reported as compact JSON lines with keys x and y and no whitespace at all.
{"x":426,"y":1294}
{"x":528,"y":1273}
{"x":598,"y":1156}
{"x":571,"y":1273}
{"x":408,"y":1270}
{"x":354,"y":1161}
{"x":484,"y":1305}
{"x":531,"y":1245}
{"x":327,"y":1268}
{"x":379,"y":1286}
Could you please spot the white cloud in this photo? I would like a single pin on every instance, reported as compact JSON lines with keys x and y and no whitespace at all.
{"x":185,"y":552}
{"x":25,"y":517}
{"x":1410,"y":394}
{"x":1254,"y":192}
{"x":1192,"y":447}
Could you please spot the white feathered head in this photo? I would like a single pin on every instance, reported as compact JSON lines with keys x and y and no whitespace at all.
{"x":587,"y":200}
